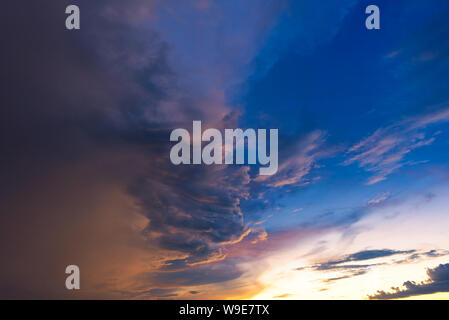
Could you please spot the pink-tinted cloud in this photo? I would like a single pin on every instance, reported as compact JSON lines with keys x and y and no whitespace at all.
{"x":296,"y":163}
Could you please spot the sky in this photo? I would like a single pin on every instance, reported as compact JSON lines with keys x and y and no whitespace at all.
{"x":358,"y":208}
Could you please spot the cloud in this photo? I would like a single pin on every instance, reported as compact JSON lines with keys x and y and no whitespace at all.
{"x":296,"y":161}
{"x":88,"y":122}
{"x":438,"y":281}
{"x":194,"y":292}
{"x":384,"y":152}
{"x":358,"y":256}
{"x":197,"y":220}
{"x":158,"y":293}
{"x":194,"y":276}
{"x":376,"y":201}
{"x":352,"y":274}
{"x":85,"y":168}
{"x":349,"y":266}
{"x":281,"y":296}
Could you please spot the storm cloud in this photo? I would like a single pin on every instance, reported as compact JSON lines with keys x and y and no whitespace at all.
{"x":88,"y":114}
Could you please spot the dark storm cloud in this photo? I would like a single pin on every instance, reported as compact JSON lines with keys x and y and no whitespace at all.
{"x":438,"y":282}
{"x":106,"y":99}
{"x":281,"y":296}
{"x":193,"y":209}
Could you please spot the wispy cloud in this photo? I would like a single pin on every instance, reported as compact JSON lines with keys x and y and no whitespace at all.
{"x":384,"y":151}
{"x":297,"y":162}
{"x":356,"y":257}
{"x":355,"y":264}
{"x":376,"y":201}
